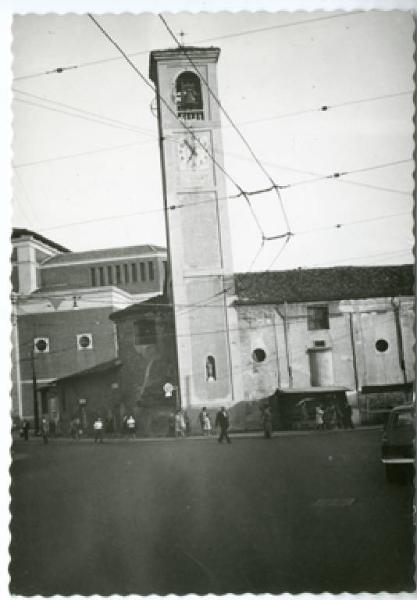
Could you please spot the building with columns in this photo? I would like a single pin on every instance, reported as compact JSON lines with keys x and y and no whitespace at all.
{"x":61,"y":305}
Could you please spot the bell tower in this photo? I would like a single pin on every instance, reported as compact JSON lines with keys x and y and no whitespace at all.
{"x":198,"y":234}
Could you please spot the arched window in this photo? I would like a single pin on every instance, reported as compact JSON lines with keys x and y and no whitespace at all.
{"x":210,"y":368}
{"x":188,"y":96}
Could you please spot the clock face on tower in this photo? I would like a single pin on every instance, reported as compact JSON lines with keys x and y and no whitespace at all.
{"x":193,"y":152}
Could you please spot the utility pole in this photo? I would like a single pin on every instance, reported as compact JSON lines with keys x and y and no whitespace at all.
{"x":35,"y":393}
{"x":284,"y":318}
{"x":354,"y":360}
{"x":396,"y":304}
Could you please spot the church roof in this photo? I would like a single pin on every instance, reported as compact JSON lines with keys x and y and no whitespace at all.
{"x":106,"y":253}
{"x":96,"y":370}
{"x":19,"y":232}
{"x":155,"y":304}
{"x":326,"y":284}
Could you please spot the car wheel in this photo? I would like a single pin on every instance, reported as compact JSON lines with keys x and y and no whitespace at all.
{"x":390,"y":473}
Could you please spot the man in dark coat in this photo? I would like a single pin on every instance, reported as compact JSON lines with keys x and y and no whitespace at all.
{"x":25,"y":430}
{"x":222,"y":421}
{"x":347,"y":416}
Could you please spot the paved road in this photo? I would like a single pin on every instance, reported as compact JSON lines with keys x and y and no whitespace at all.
{"x":297,"y":513}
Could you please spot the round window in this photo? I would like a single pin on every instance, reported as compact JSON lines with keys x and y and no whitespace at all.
{"x":41,"y":345}
{"x":381,"y":345}
{"x":84,"y":341}
{"x":259,"y":355}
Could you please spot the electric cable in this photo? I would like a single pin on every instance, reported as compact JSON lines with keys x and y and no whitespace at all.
{"x":322,"y":176}
{"x":187,"y":335}
{"x":325,"y":108}
{"x":77,"y":116}
{"x":80,"y":154}
{"x":59,"y":70}
{"x":233,"y":124}
{"x":287,"y":239}
{"x":335,"y":175}
{"x":87,"y":112}
{"x":165,"y":103}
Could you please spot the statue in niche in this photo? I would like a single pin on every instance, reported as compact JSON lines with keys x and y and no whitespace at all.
{"x":210,"y":369}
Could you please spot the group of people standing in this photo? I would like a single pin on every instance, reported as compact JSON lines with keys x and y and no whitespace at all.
{"x":43,"y":429}
{"x":221,"y":423}
{"x":180,"y":426}
{"x":330,"y":416}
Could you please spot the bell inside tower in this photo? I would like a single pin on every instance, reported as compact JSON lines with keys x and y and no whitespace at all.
{"x":188,"y":96}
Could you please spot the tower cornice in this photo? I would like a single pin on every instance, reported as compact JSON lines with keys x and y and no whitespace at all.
{"x":210,"y":54}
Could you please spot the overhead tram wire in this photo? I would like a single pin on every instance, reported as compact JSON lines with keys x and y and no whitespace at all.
{"x":80,"y":154}
{"x":325,"y":108}
{"x":322,"y":108}
{"x":336,"y":175}
{"x":233,"y":124}
{"x":268,"y":238}
{"x":78,"y":116}
{"x":280,"y":251}
{"x":169,"y":108}
{"x":91,"y":63}
{"x":86,"y":112}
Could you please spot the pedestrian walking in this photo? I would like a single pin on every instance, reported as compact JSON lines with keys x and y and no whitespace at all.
{"x":171,"y":425}
{"x":267,"y":422}
{"x":131,"y":426}
{"x":25,"y":429}
{"x":75,"y":428}
{"x":222,"y":422}
{"x":187,"y":423}
{"x":45,"y":430}
{"x":205,"y":421}
{"x":347,"y":416}
{"x":179,"y":424}
{"x":329,"y":416}
{"x":319,"y":417}
{"x":98,"y":430}
{"x":340,"y":417}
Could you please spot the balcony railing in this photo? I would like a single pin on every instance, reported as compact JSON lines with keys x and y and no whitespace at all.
{"x":191,"y":115}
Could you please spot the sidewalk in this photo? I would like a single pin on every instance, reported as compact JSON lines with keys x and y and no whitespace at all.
{"x":113,"y":438}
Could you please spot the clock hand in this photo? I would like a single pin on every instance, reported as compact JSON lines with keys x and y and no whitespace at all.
{"x":191,"y":148}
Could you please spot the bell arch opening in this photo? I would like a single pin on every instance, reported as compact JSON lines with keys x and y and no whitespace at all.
{"x":188,"y":96}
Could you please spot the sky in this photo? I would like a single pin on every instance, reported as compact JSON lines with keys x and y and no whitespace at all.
{"x":86,"y":170}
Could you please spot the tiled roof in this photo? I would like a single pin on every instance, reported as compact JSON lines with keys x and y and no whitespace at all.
{"x":334,"y":283}
{"x":156,"y":304}
{"x":18,"y":232}
{"x":106,"y":253}
{"x":96,"y":370}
